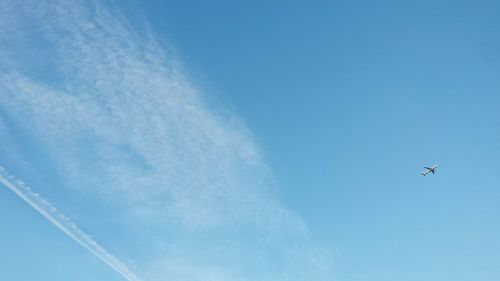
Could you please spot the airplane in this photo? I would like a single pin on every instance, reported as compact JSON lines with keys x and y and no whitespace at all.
{"x":429,"y":170}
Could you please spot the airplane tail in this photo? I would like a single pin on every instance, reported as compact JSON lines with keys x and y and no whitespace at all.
{"x":423,"y":174}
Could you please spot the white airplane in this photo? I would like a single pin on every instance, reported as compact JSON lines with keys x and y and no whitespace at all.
{"x":429,"y":170}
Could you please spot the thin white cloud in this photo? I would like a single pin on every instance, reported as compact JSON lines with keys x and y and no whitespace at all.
{"x":120,"y":120}
{"x":125,"y":108}
{"x":61,"y":221}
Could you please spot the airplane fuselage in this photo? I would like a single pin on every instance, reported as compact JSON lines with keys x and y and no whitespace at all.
{"x":429,"y":170}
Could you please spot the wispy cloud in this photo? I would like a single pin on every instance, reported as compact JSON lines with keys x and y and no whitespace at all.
{"x":118,"y":117}
{"x":62,"y":222}
{"x":124,"y":113}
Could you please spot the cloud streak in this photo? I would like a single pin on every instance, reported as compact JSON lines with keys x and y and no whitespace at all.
{"x":113,"y":116}
{"x":63,"y":223}
{"x":118,"y":107}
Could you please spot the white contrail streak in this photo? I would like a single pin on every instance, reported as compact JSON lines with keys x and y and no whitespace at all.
{"x":62,"y":222}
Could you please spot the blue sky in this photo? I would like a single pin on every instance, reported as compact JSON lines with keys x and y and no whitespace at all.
{"x":195,"y":140}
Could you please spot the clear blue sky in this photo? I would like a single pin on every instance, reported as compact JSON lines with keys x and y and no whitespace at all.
{"x":255,"y":140}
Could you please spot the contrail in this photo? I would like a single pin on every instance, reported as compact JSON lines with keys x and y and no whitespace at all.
{"x":62,"y":222}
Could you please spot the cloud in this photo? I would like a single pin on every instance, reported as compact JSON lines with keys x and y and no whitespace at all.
{"x":127,"y":115}
{"x":61,"y":221}
{"x":119,"y":121}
